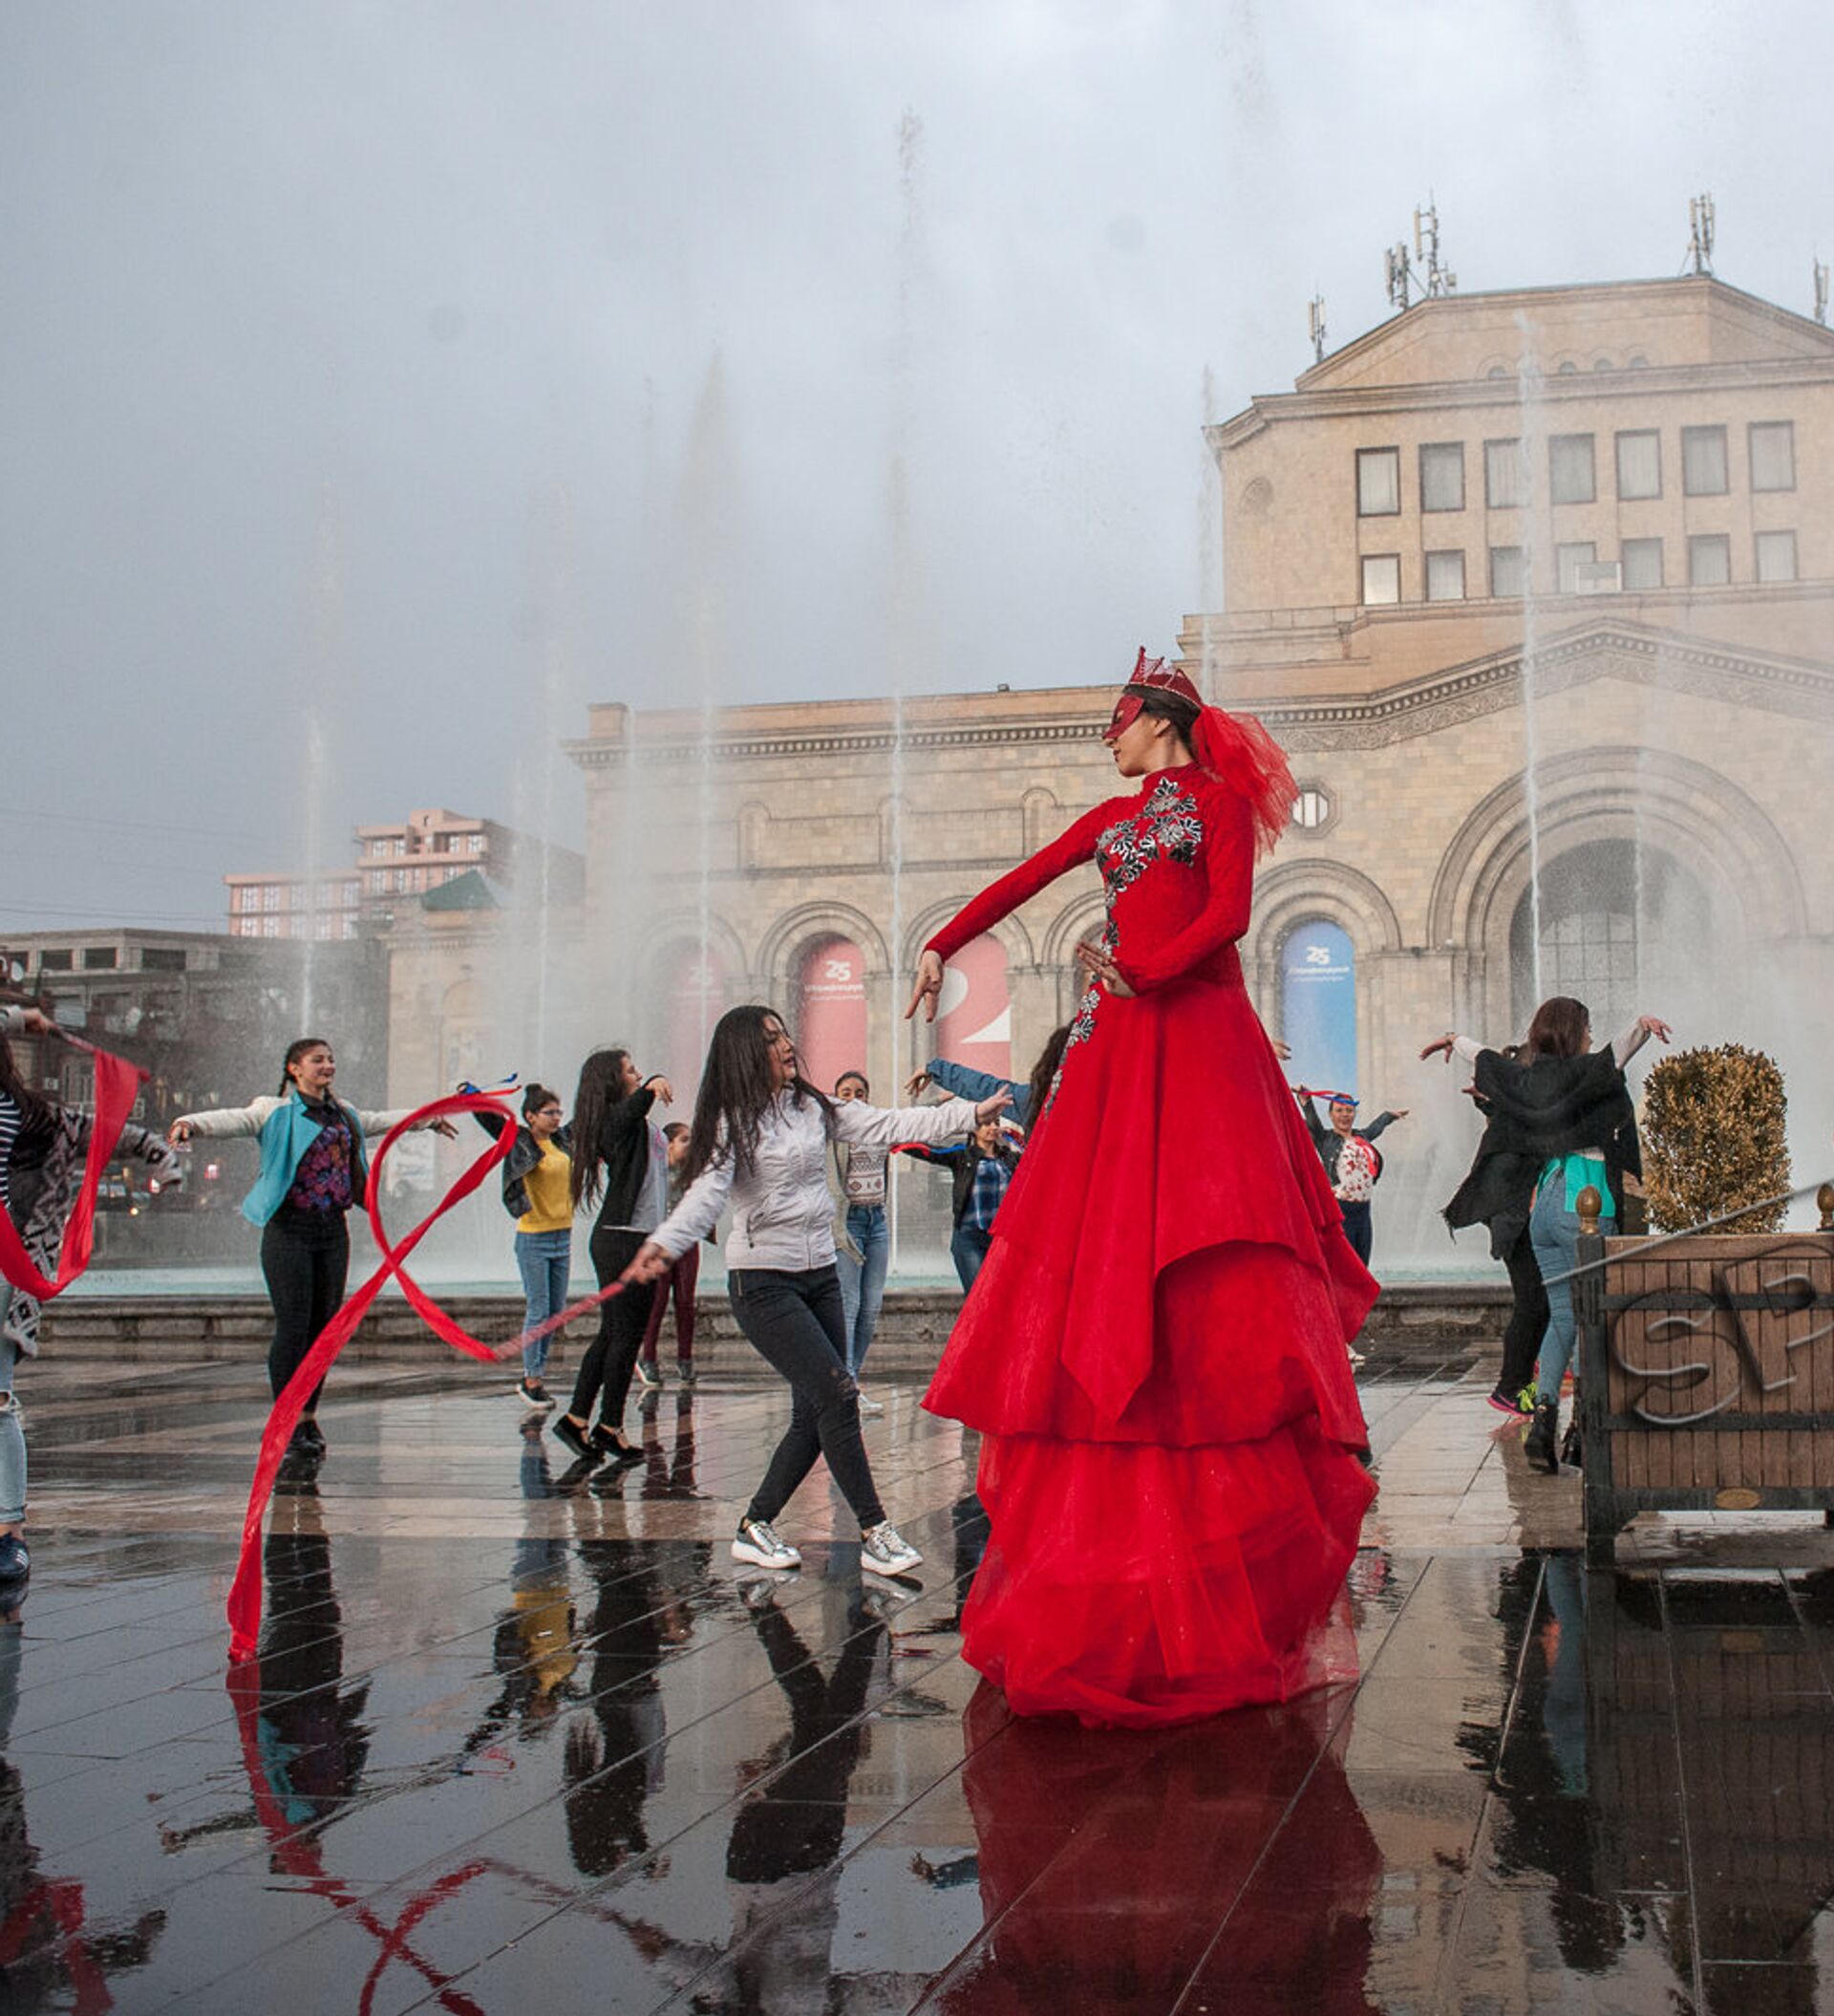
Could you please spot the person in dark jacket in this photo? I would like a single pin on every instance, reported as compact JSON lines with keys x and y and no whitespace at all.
{"x":621,"y":1165}
{"x":537,"y":1182}
{"x":1559,"y":1119}
{"x":979,"y":1172}
{"x":1330,"y":1141}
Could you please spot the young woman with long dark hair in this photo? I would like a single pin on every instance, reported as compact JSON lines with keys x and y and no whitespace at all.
{"x":1154,"y":1349}
{"x":43,"y":1148}
{"x":621,"y":1165}
{"x":1559,"y":1118}
{"x":538,"y":1193}
{"x":313,"y":1169}
{"x":760,"y":1144}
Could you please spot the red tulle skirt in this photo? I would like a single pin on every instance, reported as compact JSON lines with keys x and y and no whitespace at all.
{"x":1155,"y":1354}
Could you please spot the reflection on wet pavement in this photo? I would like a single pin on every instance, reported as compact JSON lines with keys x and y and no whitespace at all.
{"x":520,"y":1735}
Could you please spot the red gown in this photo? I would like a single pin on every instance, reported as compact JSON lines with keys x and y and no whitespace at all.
{"x":1154,"y":1351}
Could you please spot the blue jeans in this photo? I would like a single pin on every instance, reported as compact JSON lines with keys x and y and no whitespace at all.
{"x":13,"y":1437}
{"x":968,"y":1248}
{"x":1553,"y":1231}
{"x":863,"y":1281}
{"x":546,"y":1260}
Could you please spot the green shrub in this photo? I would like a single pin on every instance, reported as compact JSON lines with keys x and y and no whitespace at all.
{"x":1712,"y":1138}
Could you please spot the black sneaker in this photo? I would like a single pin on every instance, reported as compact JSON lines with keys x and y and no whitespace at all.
{"x":608,"y":1445}
{"x":15,"y":1563}
{"x":649,"y":1374}
{"x":577,"y":1439}
{"x":688,"y":1376}
{"x":309,"y":1436}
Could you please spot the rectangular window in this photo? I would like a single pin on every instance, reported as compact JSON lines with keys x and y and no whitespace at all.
{"x":270,"y":927}
{"x":400,"y":880}
{"x":1703,"y":461}
{"x":1445,"y":577}
{"x":1569,"y":559}
{"x":1442,"y":477}
{"x":55,"y":961}
{"x":270,"y":896}
{"x":1709,"y":560}
{"x":1773,"y":456}
{"x":1378,"y":483}
{"x":1502,"y":475}
{"x":1381,"y":579}
{"x":1641,"y":560}
{"x":1640,"y":464}
{"x":100,"y":958}
{"x":1508,"y":570}
{"x":1775,"y":556}
{"x":1570,"y":477}
{"x":161,"y":958}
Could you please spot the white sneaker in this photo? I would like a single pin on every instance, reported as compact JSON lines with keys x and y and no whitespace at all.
{"x":533,"y":1394}
{"x":649,"y":1375}
{"x":871,"y":1406}
{"x":1356,"y":1358}
{"x":884,"y":1551}
{"x":755,"y":1543}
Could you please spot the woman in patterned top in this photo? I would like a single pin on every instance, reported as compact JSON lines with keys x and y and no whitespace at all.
{"x":312,"y":1169}
{"x":1154,"y":1348}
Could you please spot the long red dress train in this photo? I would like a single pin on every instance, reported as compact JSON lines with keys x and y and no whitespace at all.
{"x":1154,"y":1351}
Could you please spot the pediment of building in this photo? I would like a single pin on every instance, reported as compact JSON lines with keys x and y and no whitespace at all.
{"x":1637,"y":654}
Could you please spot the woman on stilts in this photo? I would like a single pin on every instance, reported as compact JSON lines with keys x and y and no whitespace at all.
{"x":760,"y":1142}
{"x":1154,"y":1351}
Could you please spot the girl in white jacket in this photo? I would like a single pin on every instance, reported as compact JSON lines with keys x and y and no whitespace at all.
{"x":760,"y":1144}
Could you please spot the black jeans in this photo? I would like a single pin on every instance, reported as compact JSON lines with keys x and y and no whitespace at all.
{"x":795,"y":1323}
{"x":305,"y":1260}
{"x":1357,"y":1229}
{"x":1528,"y":1316}
{"x":611,"y":1356}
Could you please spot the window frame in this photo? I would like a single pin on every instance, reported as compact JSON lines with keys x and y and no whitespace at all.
{"x":1508,"y":595}
{"x":1555,"y":443}
{"x":1641,"y":588}
{"x":1627,"y":434}
{"x":1395,"y":509}
{"x":1704,"y":431}
{"x":1448,"y":449}
{"x":1447,"y":553}
{"x":1517,"y":476}
{"x":1786,"y":428}
{"x":1588,"y":546}
{"x":1757,"y":556}
{"x":1696,"y":540}
{"x":1362,"y":581}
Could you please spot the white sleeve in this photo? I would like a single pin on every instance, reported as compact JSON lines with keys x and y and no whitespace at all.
{"x":862,"y":1125}
{"x":227,"y":1122}
{"x":381,"y":1123}
{"x":1626,"y":1046}
{"x":1465,"y":1048}
{"x":698,"y":1212}
{"x":13,"y":1021}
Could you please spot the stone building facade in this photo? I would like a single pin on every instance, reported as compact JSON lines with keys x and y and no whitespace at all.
{"x":1535,"y":589}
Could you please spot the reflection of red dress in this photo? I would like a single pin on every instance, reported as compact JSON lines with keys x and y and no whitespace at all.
{"x":1154,"y":1350}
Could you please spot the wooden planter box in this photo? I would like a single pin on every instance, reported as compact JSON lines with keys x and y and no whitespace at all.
{"x":1706,"y":1376}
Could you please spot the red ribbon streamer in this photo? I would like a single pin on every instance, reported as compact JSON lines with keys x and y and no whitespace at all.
{"x":117,"y":1084}
{"x":244,"y":1591}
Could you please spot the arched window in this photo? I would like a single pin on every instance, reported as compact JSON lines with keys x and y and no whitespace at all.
{"x":1605,"y":908}
{"x":1318,"y":1004}
{"x":829,"y":1012}
{"x":974,"y":1017}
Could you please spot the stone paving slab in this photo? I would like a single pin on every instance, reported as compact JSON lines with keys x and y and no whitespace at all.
{"x":521,"y":1737}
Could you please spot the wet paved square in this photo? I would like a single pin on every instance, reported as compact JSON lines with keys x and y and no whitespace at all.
{"x":522,"y":1739}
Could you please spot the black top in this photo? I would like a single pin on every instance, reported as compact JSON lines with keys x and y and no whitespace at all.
{"x":1534,"y":1114}
{"x":1330,"y":1143}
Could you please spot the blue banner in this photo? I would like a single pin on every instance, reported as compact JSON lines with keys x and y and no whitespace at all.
{"x":1318,"y":1005}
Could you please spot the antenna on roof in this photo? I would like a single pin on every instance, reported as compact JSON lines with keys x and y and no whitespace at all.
{"x":1821,"y":293}
{"x":1399,"y":274}
{"x":1439,"y":280}
{"x":1700,"y":232}
{"x":1315,"y":319}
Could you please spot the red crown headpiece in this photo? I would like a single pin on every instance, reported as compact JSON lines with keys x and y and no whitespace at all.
{"x":1163,"y":675}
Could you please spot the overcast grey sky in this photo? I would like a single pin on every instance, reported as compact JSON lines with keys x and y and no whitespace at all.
{"x":351,"y":349}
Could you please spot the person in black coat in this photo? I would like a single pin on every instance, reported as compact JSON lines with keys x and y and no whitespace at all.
{"x":1558,"y":1118}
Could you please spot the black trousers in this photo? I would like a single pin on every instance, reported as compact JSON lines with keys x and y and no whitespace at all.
{"x":795,"y":1322}
{"x":304,"y":1260}
{"x":1358,"y":1228}
{"x":1528,"y":1321}
{"x":611,"y":1356}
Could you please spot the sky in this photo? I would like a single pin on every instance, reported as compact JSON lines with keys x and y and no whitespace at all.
{"x":381,"y":384}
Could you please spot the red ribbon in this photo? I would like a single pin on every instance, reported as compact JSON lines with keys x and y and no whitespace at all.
{"x":117,"y":1084}
{"x":244,"y":1591}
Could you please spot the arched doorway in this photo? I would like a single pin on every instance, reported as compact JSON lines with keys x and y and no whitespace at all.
{"x":1318,"y":1004}
{"x":974,"y":1017}
{"x":829,"y":1010}
{"x":1613,"y":924}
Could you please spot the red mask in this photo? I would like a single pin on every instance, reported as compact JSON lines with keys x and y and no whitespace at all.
{"x":1126,"y":713}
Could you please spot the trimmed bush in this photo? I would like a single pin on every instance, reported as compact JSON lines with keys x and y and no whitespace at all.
{"x":1712,"y":1138}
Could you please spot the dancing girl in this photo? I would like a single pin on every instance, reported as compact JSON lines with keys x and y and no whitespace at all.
{"x":538,"y":1193}
{"x":621,"y":1164}
{"x":760,"y":1144}
{"x":43,"y":1147}
{"x":312,"y":1170}
{"x":1560,"y":1117}
{"x":1154,"y":1351}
